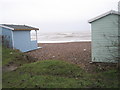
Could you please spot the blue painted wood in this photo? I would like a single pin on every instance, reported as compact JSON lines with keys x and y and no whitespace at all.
{"x":7,"y":33}
{"x":22,"y":41}
{"x":19,"y":39}
{"x":0,"y":31}
{"x":105,"y":39}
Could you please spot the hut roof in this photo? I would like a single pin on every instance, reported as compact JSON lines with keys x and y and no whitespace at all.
{"x":103,"y":15}
{"x":19,"y":27}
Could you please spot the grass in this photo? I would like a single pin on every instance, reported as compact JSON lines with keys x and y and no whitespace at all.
{"x":48,"y":73}
{"x":10,"y":56}
{"x":55,"y":74}
{"x":52,"y":67}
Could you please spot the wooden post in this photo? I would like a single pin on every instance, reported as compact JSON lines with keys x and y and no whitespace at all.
{"x":36,"y":34}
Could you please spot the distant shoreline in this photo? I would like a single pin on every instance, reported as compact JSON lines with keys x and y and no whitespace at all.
{"x":63,"y":41}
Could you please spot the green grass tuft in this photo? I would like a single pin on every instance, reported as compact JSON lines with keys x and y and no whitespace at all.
{"x":53,"y":67}
{"x":48,"y":73}
{"x":10,"y":56}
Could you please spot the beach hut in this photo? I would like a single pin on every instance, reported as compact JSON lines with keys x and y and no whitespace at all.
{"x":105,"y":37}
{"x":18,"y":37}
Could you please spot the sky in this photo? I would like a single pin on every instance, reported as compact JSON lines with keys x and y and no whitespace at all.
{"x":54,"y":15}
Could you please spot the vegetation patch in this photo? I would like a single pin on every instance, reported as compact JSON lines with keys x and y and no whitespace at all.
{"x":52,"y":74}
{"x":14,"y":57}
{"x":57,"y":74}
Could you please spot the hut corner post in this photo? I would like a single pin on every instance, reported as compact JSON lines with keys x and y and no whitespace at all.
{"x":119,"y":35}
{"x":36,"y":37}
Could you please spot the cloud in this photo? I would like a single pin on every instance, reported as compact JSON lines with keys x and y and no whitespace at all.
{"x":56,"y":12}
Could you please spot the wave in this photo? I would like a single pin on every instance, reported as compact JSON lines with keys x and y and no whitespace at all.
{"x":62,"y":37}
{"x":64,"y":41}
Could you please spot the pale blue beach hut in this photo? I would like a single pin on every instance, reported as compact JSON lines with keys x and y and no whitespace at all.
{"x":105,"y":37}
{"x":19,"y":37}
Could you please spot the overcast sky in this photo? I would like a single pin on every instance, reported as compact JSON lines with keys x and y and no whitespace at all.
{"x":54,"y":15}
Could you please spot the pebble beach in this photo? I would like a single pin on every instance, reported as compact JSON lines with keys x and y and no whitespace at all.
{"x":74,"y":52}
{"x":78,"y":53}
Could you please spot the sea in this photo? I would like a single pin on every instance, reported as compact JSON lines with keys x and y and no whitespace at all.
{"x":62,"y":37}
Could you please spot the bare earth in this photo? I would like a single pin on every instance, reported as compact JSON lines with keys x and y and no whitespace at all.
{"x":75,"y":52}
